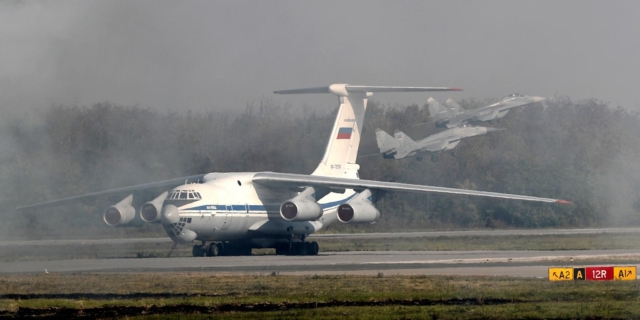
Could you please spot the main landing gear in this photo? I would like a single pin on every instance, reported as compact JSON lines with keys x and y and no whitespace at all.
{"x":221,"y":249}
{"x":302,"y":248}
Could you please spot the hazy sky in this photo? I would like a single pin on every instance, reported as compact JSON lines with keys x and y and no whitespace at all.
{"x":215,"y":55}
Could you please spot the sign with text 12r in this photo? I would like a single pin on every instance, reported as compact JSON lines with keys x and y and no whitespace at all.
{"x":599,"y":273}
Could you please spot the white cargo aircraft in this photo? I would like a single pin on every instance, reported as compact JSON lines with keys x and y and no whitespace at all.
{"x":235,"y":212}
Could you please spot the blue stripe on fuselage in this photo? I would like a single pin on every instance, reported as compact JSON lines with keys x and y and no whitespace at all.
{"x":242,"y":207}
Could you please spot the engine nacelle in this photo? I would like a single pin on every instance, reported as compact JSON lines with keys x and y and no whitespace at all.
{"x":150,"y":211}
{"x":300,"y":210}
{"x":357,"y":212}
{"x":120,"y":213}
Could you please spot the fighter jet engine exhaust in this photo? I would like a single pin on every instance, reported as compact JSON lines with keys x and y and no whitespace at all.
{"x":150,"y":211}
{"x":300,"y":210}
{"x":121,"y":213}
{"x":357,"y":212}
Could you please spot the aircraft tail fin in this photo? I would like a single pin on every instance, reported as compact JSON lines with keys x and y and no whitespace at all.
{"x":404,"y":140}
{"x":385,"y":141}
{"x":454,"y":108}
{"x":436,"y":110}
{"x":340,"y":155}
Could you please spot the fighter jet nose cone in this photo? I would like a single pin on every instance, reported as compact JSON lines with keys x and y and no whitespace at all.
{"x":169,"y":214}
{"x":494,"y":129}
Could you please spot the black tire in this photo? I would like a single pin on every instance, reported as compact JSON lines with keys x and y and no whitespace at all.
{"x":221,"y":249}
{"x":299,"y":248}
{"x":198,"y":251}
{"x":282,"y":249}
{"x":313,"y":248}
{"x":212,"y":250}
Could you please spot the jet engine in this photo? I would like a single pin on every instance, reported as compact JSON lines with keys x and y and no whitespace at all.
{"x":150,"y":211}
{"x":300,"y":210}
{"x":357,"y":212}
{"x":121,"y":213}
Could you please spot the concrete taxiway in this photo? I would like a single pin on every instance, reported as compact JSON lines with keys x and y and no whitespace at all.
{"x":494,"y":263}
{"x":390,"y":235}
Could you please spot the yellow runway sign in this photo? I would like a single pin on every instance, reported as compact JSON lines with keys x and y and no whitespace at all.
{"x":560,"y":274}
{"x":624,"y":273}
{"x":593,"y":273}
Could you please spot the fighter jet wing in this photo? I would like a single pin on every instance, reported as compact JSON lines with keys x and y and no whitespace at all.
{"x":437,"y":146}
{"x":273,"y":179}
{"x":88,"y":196}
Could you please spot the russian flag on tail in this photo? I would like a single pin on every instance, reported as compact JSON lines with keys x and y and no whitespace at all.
{"x":344,"y":133}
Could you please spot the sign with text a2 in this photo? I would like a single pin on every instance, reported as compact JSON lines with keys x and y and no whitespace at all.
{"x":597,"y":273}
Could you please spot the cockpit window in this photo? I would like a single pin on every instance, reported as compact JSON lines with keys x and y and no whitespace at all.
{"x":184,"y":195}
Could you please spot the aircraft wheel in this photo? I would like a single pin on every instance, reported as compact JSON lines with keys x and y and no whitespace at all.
{"x":313,"y":248}
{"x":221,"y":249}
{"x":298,"y":249}
{"x":212,"y":250}
{"x":198,"y":251}
{"x":282,"y":249}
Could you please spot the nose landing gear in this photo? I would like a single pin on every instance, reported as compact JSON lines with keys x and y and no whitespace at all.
{"x":221,"y":249}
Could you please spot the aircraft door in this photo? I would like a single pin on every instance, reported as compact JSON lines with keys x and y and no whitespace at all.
{"x":228,"y":217}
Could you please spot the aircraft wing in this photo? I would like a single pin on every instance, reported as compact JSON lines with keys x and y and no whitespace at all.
{"x":273,"y":179}
{"x":435,"y":146}
{"x":140,"y":187}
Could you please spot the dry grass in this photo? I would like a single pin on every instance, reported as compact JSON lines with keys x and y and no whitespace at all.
{"x":353,"y":296}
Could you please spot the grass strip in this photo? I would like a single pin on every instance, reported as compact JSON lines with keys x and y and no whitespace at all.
{"x":171,"y":295}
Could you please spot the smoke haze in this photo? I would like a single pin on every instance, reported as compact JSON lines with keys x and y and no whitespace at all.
{"x":221,"y":55}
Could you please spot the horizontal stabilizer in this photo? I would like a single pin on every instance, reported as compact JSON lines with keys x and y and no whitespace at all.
{"x":342,"y":89}
{"x":399,"y":89}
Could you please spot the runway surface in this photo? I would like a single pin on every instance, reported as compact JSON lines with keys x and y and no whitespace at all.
{"x":493,"y":263}
{"x":506,"y":263}
{"x":466,"y":233}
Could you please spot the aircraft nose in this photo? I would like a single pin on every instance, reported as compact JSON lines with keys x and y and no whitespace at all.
{"x":177,"y":230}
{"x":169,"y":214}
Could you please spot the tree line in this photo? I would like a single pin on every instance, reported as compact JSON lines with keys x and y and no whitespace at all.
{"x":583,"y":151}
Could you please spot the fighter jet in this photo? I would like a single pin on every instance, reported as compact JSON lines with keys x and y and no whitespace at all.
{"x":452,"y":115}
{"x":402,"y":146}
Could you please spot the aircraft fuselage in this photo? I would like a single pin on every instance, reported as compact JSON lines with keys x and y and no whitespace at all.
{"x":229,"y":207}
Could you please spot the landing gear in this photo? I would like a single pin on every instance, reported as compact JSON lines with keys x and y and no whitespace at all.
{"x":199,"y":250}
{"x":221,"y":249}
{"x":213,"y":250}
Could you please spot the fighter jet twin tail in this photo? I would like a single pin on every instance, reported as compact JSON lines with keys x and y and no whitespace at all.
{"x":231,"y":213}
{"x":459,"y":123}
